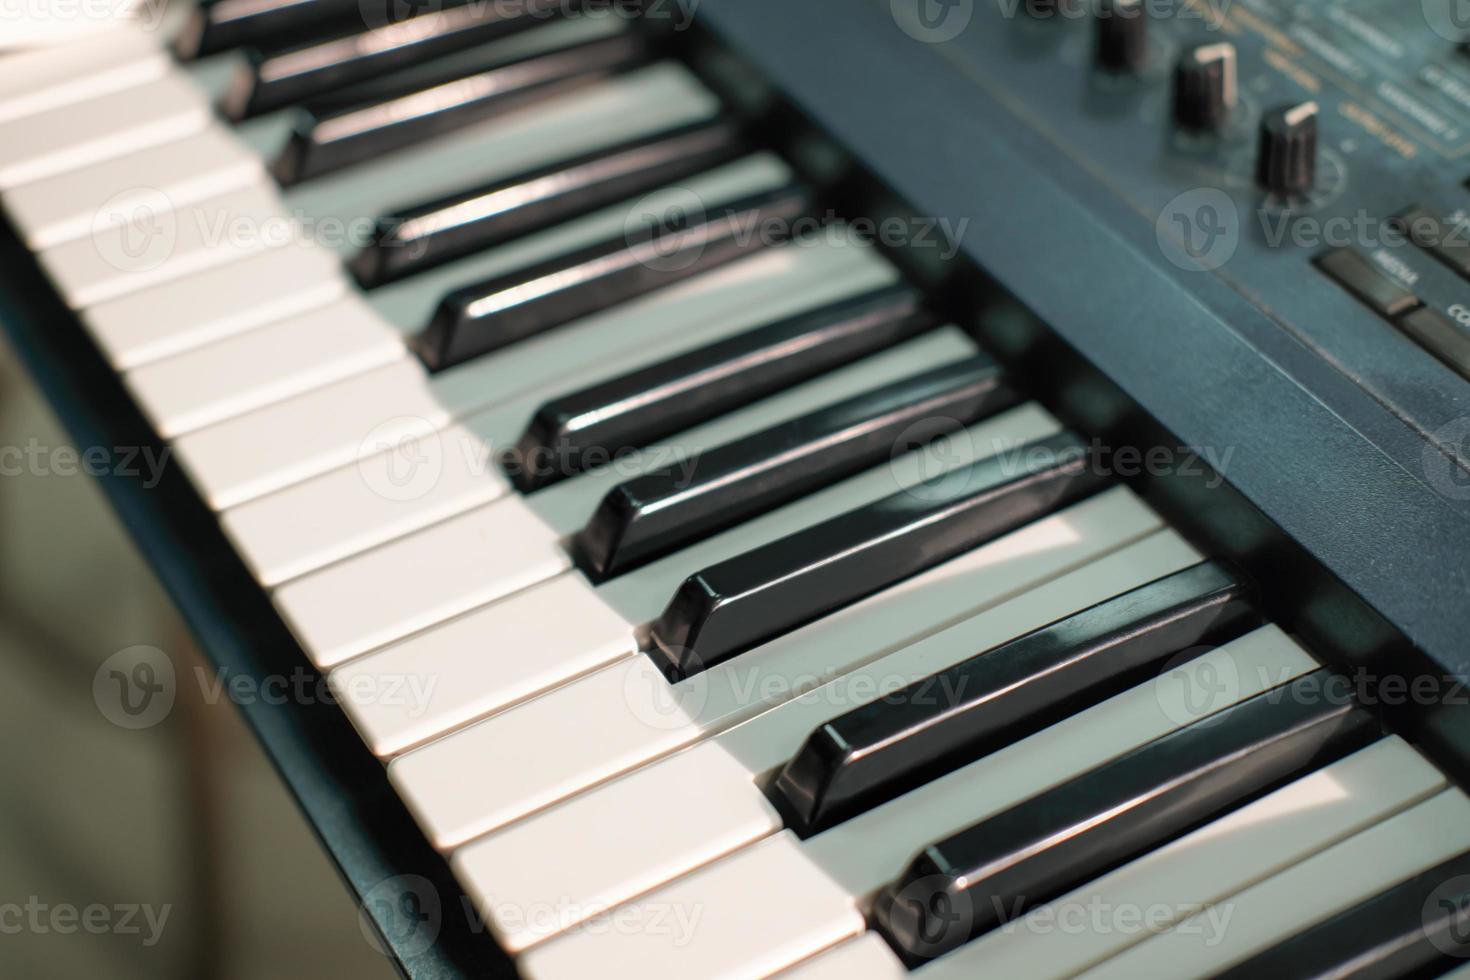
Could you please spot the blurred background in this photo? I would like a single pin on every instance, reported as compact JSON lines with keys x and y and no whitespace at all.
{"x":182,"y":828}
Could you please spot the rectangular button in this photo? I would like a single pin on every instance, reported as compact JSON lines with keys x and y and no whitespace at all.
{"x":1439,"y":335}
{"x":1447,"y":241}
{"x":1358,"y":276}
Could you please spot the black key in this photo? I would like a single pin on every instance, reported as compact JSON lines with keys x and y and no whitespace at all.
{"x":218,"y":25}
{"x":743,"y":601}
{"x":875,"y":752}
{"x":965,"y":885}
{"x":325,"y":141}
{"x":490,"y":315}
{"x":1417,"y":928}
{"x":654,"y":514}
{"x":276,"y":80}
{"x":446,"y":229}
{"x":647,"y":404}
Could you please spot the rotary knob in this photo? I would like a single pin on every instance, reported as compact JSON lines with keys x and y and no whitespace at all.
{"x":1205,"y":86}
{"x":1286,"y":161}
{"x":1122,"y":35}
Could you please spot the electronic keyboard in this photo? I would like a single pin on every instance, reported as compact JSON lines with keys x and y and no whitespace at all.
{"x":945,"y":488}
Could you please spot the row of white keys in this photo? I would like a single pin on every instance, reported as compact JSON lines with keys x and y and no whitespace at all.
{"x":627,"y":714}
{"x":514,"y":542}
{"x":1319,"y":887}
{"x":80,"y":133}
{"x":599,"y":849}
{"x":859,"y":856}
{"x":259,"y":366}
{"x":470,"y":557}
{"x":386,"y":494}
{"x":114,"y":60}
{"x":139,"y":245}
{"x":273,"y":447}
{"x":1194,"y":876}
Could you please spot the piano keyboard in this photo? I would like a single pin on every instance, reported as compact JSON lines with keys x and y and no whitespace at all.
{"x":716,"y":606}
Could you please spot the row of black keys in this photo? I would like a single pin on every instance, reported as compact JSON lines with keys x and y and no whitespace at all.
{"x":966,"y":885}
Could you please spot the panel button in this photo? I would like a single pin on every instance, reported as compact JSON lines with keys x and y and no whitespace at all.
{"x":1359,"y":276}
{"x":1439,"y":335}
{"x":1447,"y":241}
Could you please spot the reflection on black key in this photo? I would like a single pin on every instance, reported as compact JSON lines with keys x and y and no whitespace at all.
{"x":971,"y":882}
{"x":218,"y":25}
{"x":322,"y":142}
{"x":275,"y":80}
{"x":743,"y":601}
{"x":487,"y":316}
{"x":588,"y":427}
{"x":446,"y":229}
{"x":875,"y":752}
{"x":1417,"y":928}
{"x":651,"y":515}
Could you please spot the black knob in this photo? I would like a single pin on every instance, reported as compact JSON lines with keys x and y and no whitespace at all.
{"x":1122,"y":35}
{"x":1287,"y":158}
{"x":1205,"y":86}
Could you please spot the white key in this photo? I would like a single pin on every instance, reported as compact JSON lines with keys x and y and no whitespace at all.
{"x":627,"y":715}
{"x":137,"y":244}
{"x":716,"y":923}
{"x":495,"y":550}
{"x":272,"y":448}
{"x":867,"y":957}
{"x":38,"y":81}
{"x":28,"y":24}
{"x":250,"y":370}
{"x":187,"y":171}
{"x":337,"y":514}
{"x":619,"y":109}
{"x":1332,"y":881}
{"x":121,"y":122}
{"x":1200,"y":871}
{"x":214,"y":304}
{"x":872,"y":849}
{"x":598,"y":849}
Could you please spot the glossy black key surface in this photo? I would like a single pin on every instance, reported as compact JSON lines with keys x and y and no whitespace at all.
{"x":279,"y":79}
{"x":327,"y":141}
{"x":590,"y":426}
{"x":875,"y":752}
{"x":218,"y":25}
{"x":445,"y":229}
{"x":969,"y":883}
{"x":653,"y":514}
{"x":743,"y":601}
{"x":1418,"y":928}
{"x":490,"y":315}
